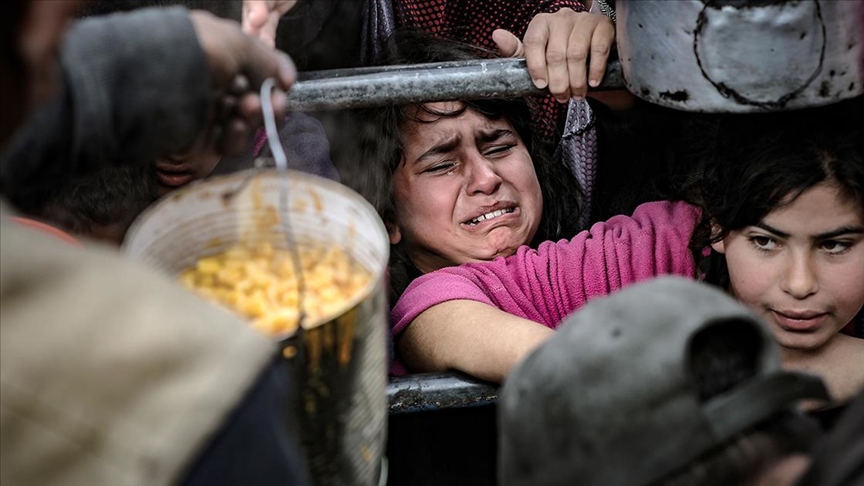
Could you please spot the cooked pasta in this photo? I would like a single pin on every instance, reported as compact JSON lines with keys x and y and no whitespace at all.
{"x":259,"y":282}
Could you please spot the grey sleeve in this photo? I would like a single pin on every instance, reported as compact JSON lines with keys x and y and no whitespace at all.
{"x":134,"y":85}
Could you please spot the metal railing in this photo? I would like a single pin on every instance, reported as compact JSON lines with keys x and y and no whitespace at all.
{"x":376,"y":86}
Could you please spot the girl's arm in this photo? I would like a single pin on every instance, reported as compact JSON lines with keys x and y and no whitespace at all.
{"x":471,"y":337}
{"x":499,"y":304}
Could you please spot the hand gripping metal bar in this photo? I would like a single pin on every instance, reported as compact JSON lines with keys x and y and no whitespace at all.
{"x":382,"y":85}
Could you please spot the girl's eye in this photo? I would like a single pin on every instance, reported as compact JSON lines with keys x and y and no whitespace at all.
{"x":835,"y":247}
{"x":763,"y":243}
{"x":497,"y":150}
{"x":442,"y":167}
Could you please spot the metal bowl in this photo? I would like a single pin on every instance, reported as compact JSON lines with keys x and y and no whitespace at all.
{"x":340,"y":364}
{"x":742,"y":56}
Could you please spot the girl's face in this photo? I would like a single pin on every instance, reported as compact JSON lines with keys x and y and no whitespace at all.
{"x":802,"y":266}
{"x":465,"y":190}
{"x":177,"y":170}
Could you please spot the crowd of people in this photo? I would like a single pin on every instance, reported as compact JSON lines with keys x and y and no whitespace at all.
{"x":721,"y":317}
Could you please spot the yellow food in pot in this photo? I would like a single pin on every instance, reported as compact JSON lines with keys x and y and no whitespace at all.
{"x":259,"y":282}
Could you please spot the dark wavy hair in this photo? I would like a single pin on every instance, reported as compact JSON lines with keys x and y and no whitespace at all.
{"x":380,"y":152}
{"x":742,"y":167}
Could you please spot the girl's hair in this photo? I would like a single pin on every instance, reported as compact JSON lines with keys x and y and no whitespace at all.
{"x":748,"y":166}
{"x":114,"y":195}
{"x":741,"y":168}
{"x":380,"y":151}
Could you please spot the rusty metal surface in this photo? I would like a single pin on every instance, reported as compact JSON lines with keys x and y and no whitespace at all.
{"x":742,"y":56}
{"x":376,"y":86}
{"x":425,"y":392}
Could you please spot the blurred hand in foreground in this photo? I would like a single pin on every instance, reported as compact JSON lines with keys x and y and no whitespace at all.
{"x":239,"y":64}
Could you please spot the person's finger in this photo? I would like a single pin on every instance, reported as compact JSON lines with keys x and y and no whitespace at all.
{"x":249,"y":108}
{"x":230,"y":52}
{"x":236,"y":136}
{"x":508,"y":44}
{"x":577,"y":59}
{"x":279,"y":102}
{"x":534,"y":47}
{"x":558,"y":60}
{"x":287,"y":71}
{"x":601,"y":45}
{"x":260,"y":63}
{"x":227,"y":107}
{"x":255,"y":13}
{"x":239,"y":85}
{"x":267,"y":34}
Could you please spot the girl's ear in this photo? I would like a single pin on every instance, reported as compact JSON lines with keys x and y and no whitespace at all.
{"x":394,"y":232}
{"x":718,"y":246}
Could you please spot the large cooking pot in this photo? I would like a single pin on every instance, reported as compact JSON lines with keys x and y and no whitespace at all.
{"x":742,"y":55}
{"x":340,"y":364}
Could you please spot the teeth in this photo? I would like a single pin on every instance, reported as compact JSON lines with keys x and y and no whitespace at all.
{"x":493,"y":214}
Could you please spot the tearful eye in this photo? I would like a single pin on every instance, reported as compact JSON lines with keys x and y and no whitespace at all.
{"x":498,"y":149}
{"x":442,"y":167}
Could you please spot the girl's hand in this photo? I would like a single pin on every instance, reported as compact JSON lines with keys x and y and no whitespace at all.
{"x":558,"y":46}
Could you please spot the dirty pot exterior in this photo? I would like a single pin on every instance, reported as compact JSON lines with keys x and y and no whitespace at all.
{"x":341,"y":364}
{"x":742,"y":56}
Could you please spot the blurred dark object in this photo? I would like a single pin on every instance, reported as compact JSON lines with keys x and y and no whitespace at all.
{"x":442,"y":430}
{"x":838,"y":460}
{"x":227,"y":9}
{"x":637,"y":156}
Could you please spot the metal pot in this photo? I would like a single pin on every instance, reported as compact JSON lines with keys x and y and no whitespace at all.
{"x":742,"y":55}
{"x":340,"y":364}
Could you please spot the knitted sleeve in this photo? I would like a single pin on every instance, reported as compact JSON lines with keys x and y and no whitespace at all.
{"x":134,"y":85}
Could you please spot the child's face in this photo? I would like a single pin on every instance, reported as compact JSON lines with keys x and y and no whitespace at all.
{"x":177,"y":170}
{"x":802,"y":266}
{"x":465,"y":191}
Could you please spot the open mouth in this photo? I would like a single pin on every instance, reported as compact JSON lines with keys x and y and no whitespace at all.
{"x":488,"y":216}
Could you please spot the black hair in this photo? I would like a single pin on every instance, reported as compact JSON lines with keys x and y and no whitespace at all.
{"x":380,"y":152}
{"x":111,"y":196}
{"x":744,"y":167}
{"x":724,"y":355}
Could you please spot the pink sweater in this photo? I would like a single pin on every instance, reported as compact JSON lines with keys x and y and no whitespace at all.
{"x":547,"y":284}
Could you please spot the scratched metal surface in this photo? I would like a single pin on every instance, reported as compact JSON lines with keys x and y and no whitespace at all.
{"x":476,"y":79}
{"x":424,"y":392}
{"x":739,"y":57}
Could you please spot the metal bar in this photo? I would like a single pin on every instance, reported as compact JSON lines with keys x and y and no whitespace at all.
{"x":438,"y":391}
{"x":376,"y":86}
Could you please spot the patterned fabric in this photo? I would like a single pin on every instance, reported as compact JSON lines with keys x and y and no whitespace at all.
{"x":473,"y":21}
{"x":579,"y":152}
{"x":606,"y":10}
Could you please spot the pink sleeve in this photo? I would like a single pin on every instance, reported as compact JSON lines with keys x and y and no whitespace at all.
{"x":547,"y":284}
